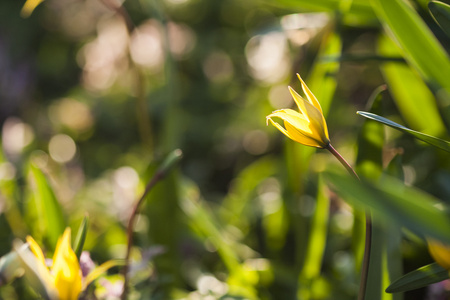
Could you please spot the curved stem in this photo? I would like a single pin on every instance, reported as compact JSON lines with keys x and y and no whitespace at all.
{"x":157,"y":177}
{"x":368,"y":240}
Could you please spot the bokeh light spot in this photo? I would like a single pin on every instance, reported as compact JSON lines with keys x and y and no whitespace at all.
{"x":62,"y":148}
{"x":16,"y":135}
{"x":267,"y":56}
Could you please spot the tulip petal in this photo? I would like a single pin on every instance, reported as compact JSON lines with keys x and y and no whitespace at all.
{"x":312,"y":99}
{"x":281,"y":128}
{"x":303,"y":139}
{"x":66,"y":269}
{"x":37,"y":251}
{"x":308,"y":110}
{"x":36,"y":262}
{"x":296,"y":119}
{"x":299,"y":129}
{"x":307,"y":127}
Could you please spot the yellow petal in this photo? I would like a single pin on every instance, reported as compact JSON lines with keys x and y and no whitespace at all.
{"x":296,"y":119}
{"x":29,"y":7}
{"x":40,"y":267}
{"x":307,"y":109}
{"x":312,"y":99}
{"x":37,"y":251}
{"x":299,"y":129}
{"x":99,"y":271}
{"x":440,"y":253}
{"x":66,"y":269}
{"x":281,"y":128}
{"x":303,"y":139}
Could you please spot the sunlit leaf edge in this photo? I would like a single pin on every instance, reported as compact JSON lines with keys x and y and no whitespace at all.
{"x":434,"y":141}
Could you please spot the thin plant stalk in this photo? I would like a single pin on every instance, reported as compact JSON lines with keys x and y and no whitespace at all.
{"x":368,"y":239}
{"x":173,"y":158}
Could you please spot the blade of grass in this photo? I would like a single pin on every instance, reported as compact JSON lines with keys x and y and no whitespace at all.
{"x":412,"y":96}
{"x":391,"y":199}
{"x":421,"y":277}
{"x":81,"y":236}
{"x":420,"y":46}
{"x":316,"y":243}
{"x":394,"y":258}
{"x":437,"y":142}
{"x":369,"y":165}
{"x":441,"y":14}
{"x":49,"y":209}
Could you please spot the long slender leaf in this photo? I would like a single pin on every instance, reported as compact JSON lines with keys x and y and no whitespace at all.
{"x":437,"y":142}
{"x":81,"y":236}
{"x":322,"y":80}
{"x":441,"y":13}
{"x":394,"y":234}
{"x":420,"y":46}
{"x":421,"y":277}
{"x":49,"y":209}
{"x":412,"y":96}
{"x":369,"y":164}
{"x":391,"y":200}
{"x":316,"y":244}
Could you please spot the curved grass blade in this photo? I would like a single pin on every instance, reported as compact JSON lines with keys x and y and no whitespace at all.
{"x":81,"y":236}
{"x":421,"y":277}
{"x":441,"y":14}
{"x":437,"y":142}
{"x":392,"y":201}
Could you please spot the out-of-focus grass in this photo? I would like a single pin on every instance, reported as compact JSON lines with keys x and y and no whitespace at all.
{"x":89,"y":108}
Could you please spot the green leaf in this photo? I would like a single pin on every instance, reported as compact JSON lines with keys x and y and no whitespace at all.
{"x":437,"y":142}
{"x":421,"y":277}
{"x":317,"y":238}
{"x":369,"y":164}
{"x":394,"y":234}
{"x":412,"y":96}
{"x":81,"y":236}
{"x":237,"y":208}
{"x":420,"y":46}
{"x":441,"y":14}
{"x":370,"y":141}
{"x":356,"y":11}
{"x":392,"y":201}
{"x":48,"y":207}
{"x":322,"y":80}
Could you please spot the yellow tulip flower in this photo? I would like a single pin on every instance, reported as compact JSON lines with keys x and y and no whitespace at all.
{"x":440,"y":253}
{"x":307,"y":127}
{"x":64,"y":278}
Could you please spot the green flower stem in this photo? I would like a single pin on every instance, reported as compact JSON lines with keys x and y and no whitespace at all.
{"x":368,"y":240}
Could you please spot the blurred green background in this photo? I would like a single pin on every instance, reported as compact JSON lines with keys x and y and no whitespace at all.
{"x":95,"y":93}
